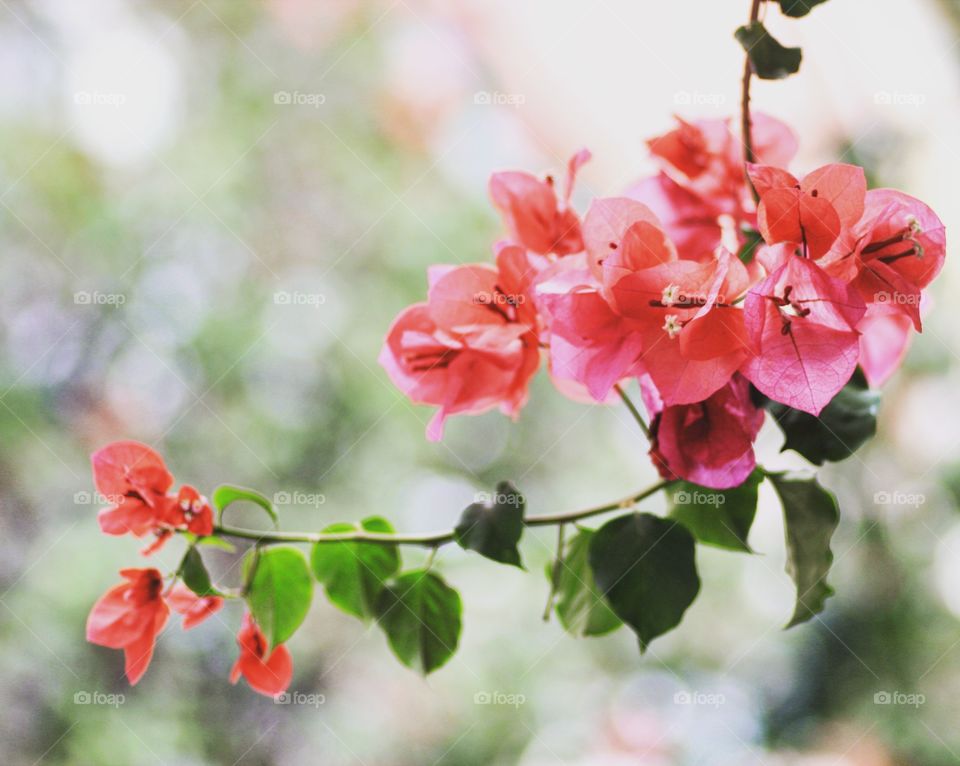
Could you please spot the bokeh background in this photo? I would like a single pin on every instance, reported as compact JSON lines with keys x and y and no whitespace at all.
{"x":209,"y":213}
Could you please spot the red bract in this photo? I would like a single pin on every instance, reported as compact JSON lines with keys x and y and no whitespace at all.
{"x":195,"y":609}
{"x":884,"y":341}
{"x":267,"y":672}
{"x":134,"y":478}
{"x":694,"y":336}
{"x":534,"y":214}
{"x":473,"y":344}
{"x":892,"y":253}
{"x":591,"y":346}
{"x":194,"y":511}
{"x":622,"y":235}
{"x":701,"y":196}
{"x":810,"y":213}
{"x":801,"y":324}
{"x":129,"y":617}
{"x":711,"y":442}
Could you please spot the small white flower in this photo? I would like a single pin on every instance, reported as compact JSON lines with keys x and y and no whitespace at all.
{"x":670,"y":295}
{"x":672,"y":325}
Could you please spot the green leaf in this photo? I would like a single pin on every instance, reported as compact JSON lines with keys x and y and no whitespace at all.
{"x":354,"y":574}
{"x":797,"y":8}
{"x":769,"y":59}
{"x":581,"y":607}
{"x":194,"y":574}
{"x":752,"y":241}
{"x":279,"y":592}
{"x":842,"y":428}
{"x":420,"y":614}
{"x":645,"y":566}
{"x":226,"y":494}
{"x":810,"y":516}
{"x":720,"y":517}
{"x":210,"y":541}
{"x":493,"y":528}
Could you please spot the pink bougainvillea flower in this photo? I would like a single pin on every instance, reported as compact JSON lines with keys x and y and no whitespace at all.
{"x":810,"y":213}
{"x":472,"y":346}
{"x":195,"y":609}
{"x":129,"y":617}
{"x":701,"y":195}
{"x":692,"y":224}
{"x":801,"y":323}
{"x":193,"y":511}
{"x":694,"y":335}
{"x":892,"y":253}
{"x":534,"y":214}
{"x":710,"y":442}
{"x":267,"y":672}
{"x":622,"y":235}
{"x":590,"y":344}
{"x":134,"y":478}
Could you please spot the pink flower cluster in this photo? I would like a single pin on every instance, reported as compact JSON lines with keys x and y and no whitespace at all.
{"x":661,"y":285}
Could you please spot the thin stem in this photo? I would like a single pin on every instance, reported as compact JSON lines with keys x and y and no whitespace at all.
{"x":746,"y":124}
{"x":555,"y":573}
{"x":429,"y":539}
{"x":633,"y":411}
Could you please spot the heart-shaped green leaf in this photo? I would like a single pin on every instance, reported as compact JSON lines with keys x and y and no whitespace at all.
{"x":420,"y":614}
{"x":493,"y":527}
{"x":797,"y":8}
{"x":645,"y":566}
{"x":279,"y":591}
{"x":581,"y":607}
{"x":354,"y":574}
{"x":810,"y":516}
{"x":844,"y":425}
{"x":226,"y":494}
{"x":194,"y":574}
{"x":720,"y":517}
{"x":769,"y":59}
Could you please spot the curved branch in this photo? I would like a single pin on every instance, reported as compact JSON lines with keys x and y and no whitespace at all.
{"x":428,"y":539}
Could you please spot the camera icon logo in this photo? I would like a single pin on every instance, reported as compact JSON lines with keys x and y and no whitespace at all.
{"x":82,"y":698}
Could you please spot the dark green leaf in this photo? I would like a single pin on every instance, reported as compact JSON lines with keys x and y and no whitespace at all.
{"x":226,"y":494}
{"x":279,"y":592}
{"x":194,"y":574}
{"x":752,"y":241}
{"x":842,"y":428}
{"x":645,"y":566}
{"x":493,"y":528}
{"x":798,"y":8}
{"x":353,"y":574}
{"x":769,"y":59}
{"x":810,"y":516}
{"x":717,"y":517}
{"x":420,"y":614}
{"x":581,"y":608}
